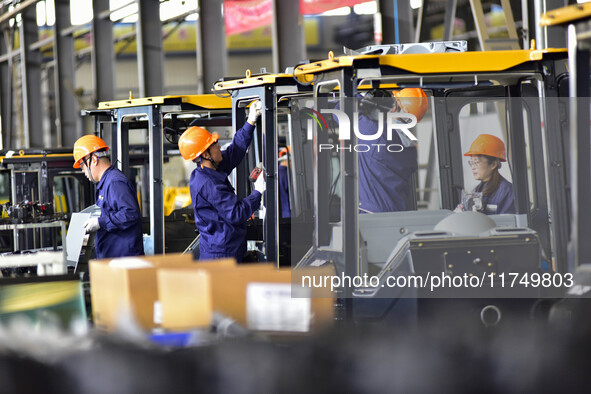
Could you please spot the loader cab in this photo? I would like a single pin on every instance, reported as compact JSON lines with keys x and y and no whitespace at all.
{"x":273,"y":232}
{"x":514,"y":95}
{"x":143,"y":137}
{"x":38,"y":185}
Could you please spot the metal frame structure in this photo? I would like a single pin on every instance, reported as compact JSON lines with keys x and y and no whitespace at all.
{"x":42,"y":70}
{"x":524,"y":79}
{"x":473,"y":74}
{"x":116,"y":118}
{"x":47,"y":164}
{"x":577,"y":18}
{"x":449,"y":74}
{"x":56,"y":225}
{"x":31,"y":178}
{"x":270,"y":89}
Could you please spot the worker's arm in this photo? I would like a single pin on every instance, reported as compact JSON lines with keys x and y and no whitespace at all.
{"x":231,"y":208}
{"x":235,"y":152}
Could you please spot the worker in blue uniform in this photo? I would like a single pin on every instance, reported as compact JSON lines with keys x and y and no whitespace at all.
{"x":486,"y":154}
{"x":385,"y":175}
{"x":119,"y":227}
{"x":220,"y":215}
{"x":283,"y":181}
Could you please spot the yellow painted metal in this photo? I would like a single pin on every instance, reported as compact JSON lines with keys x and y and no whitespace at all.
{"x":330,"y":64}
{"x":176,"y":197}
{"x":437,"y":63}
{"x":29,"y":296}
{"x":267,"y":79}
{"x":566,"y":14}
{"x":382,"y":86}
{"x":26,"y":157}
{"x":60,"y":203}
{"x":205,"y":101}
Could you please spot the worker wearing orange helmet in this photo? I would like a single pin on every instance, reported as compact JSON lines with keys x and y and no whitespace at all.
{"x":119,"y":228}
{"x":413,"y":101}
{"x":385,"y":175}
{"x":486,"y":153}
{"x":220,"y":215}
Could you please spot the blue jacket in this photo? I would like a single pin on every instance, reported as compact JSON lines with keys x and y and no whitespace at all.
{"x":384,"y":177}
{"x":500,"y":201}
{"x":121,"y":221}
{"x":283,"y":177}
{"x":220,"y":216}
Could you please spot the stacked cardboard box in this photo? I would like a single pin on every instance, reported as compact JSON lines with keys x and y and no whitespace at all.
{"x":177,"y":294}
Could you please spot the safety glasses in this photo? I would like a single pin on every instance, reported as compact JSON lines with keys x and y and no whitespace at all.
{"x":476,"y":162}
{"x":85,"y":162}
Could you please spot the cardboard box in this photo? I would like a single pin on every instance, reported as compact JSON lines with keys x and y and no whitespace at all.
{"x":125,"y":289}
{"x":256,"y":296}
{"x":185,"y":295}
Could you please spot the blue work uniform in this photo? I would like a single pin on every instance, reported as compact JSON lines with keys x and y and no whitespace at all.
{"x":283,"y":177}
{"x":384,"y":176}
{"x":220,"y":216}
{"x":120,"y":232}
{"x":501,"y":201}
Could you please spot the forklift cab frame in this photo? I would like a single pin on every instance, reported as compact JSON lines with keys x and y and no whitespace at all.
{"x":157,"y":115}
{"x":465,"y":77}
{"x":272,"y":90}
{"x":576,"y":20}
{"x":523,"y":79}
{"x":41,"y":176}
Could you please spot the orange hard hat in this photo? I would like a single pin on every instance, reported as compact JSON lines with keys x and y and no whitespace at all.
{"x":194,"y":141}
{"x":413,"y":101}
{"x":488,"y":145}
{"x":285,"y":150}
{"x":86,"y":145}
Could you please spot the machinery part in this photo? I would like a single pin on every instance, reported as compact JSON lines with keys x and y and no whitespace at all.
{"x":466,"y":223}
{"x":376,"y":99}
{"x":490,"y":315}
{"x":30,"y":212}
{"x":172,"y":132}
{"x":193,"y":245}
{"x":76,"y":251}
{"x":227,"y":327}
{"x":399,"y":49}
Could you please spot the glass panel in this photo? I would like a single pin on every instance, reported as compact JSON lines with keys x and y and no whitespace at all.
{"x":26,"y":186}
{"x":4,"y":187}
{"x":486,"y":171}
{"x":528,"y":154}
{"x":67,"y":194}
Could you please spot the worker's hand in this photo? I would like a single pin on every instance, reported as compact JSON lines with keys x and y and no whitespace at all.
{"x":92,"y":225}
{"x":260,"y":184}
{"x":254,"y":112}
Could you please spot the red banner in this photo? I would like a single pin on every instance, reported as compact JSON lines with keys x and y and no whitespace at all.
{"x":311,"y":7}
{"x":242,"y":16}
{"x":245,"y":15}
